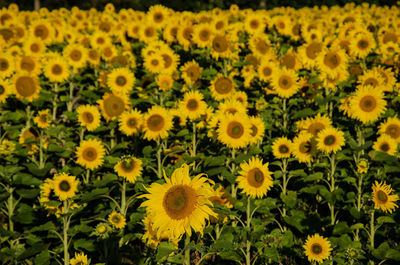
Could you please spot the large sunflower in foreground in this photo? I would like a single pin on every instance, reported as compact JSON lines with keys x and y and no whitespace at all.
{"x":179,"y":205}
{"x":90,"y":153}
{"x":129,"y":168}
{"x":65,"y":186}
{"x":382,"y":198}
{"x":317,"y":248}
{"x":157,"y":123}
{"x":367,"y":104}
{"x":234,"y":130}
{"x":255,"y":178}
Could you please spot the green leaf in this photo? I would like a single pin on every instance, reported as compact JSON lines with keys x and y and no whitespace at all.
{"x":385,"y":219}
{"x":393,"y":254}
{"x":43,"y":258}
{"x":164,"y":249}
{"x":341,"y":228}
{"x":84,"y":243}
{"x":28,"y":193}
{"x":272,"y":253}
{"x":314,"y":176}
{"x":88,"y":196}
{"x":303,"y":113}
{"x":24,"y":214}
{"x":380,"y":252}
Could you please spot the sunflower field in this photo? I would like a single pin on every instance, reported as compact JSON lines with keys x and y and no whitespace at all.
{"x":219,"y":137}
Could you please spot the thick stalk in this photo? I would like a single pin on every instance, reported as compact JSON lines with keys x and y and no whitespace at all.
{"x":123,"y":198}
{"x":41,"y":157}
{"x":28,"y":116}
{"x":372,"y":228}
{"x":10,"y":207}
{"x":332,"y":187}
{"x":113,"y":141}
{"x":87,"y":177}
{"x":285,"y":115}
{"x":285,"y":182}
{"x":54,"y":116}
{"x":187,"y":250}
{"x":248,"y":243}
{"x":359,"y":205}
{"x":159,"y":161}
{"x":71,"y":97}
{"x":194,"y":144}
{"x":233,"y":168}
{"x":65,"y":232}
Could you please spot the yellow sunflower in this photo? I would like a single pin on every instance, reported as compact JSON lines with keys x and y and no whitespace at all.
{"x":303,"y":147}
{"x":382,"y":198}
{"x":257,"y":129}
{"x":391,"y":127}
{"x":362,"y":44}
{"x":157,"y":123}
{"x":234,"y":130}
{"x":260,"y":45}
{"x":255,"y":178}
{"x":254,"y":23}
{"x":117,"y":220}
{"x":385,"y":144}
{"x":7,"y":147}
{"x":184,"y":35}
{"x":26,"y":86}
{"x":362,"y":166}
{"x":150,"y":236}
{"x":231,"y":106}
{"x":170,"y":60}
{"x":193,"y":105}
{"x":191,"y":72}
{"x":317,"y":248}
{"x":266,"y":70}
{"x":309,"y":53}
{"x":165,"y":82}
{"x":202,"y":35}
{"x":76,"y":55}
{"x":88,"y":116}
{"x":5,"y":90}
{"x":222,"y":87}
{"x":79,"y":259}
{"x":113,"y":105}
{"x":154,"y":62}
{"x":129,"y":167}
{"x":43,"y":119}
{"x":316,"y":124}
{"x":330,"y":140}
{"x":221,"y":46}
{"x":65,"y":186}
{"x":281,"y":147}
{"x":43,"y":30}
{"x":367,"y":104}
{"x":158,"y":15}
{"x":130,"y":122}
{"x":30,"y":64}
{"x":57,"y":69}
{"x":121,"y":80}
{"x":332,"y":62}
{"x":371,"y":77}
{"x":34,"y":46}
{"x":179,"y":205}
{"x":90,"y":153}
{"x":285,"y":83}
{"x":7,"y":65}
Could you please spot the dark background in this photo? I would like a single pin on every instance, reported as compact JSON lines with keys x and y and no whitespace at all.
{"x":179,"y":5}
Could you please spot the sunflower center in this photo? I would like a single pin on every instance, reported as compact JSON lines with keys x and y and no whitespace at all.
{"x":41,"y":31}
{"x":254,"y":130}
{"x":2,"y":90}
{"x":56,"y":69}
{"x":382,"y":196}
{"x":363,"y":44}
{"x":167,"y":60}
{"x":223,"y":85}
{"x":88,"y":117}
{"x":180,"y":201}
{"x":220,"y":44}
{"x":43,"y":117}
{"x":93,"y":55}
{"x":3,"y":64}
{"x":192,"y":104}
{"x":121,"y":80}
{"x":100,"y":40}
{"x":255,"y":177}
{"x":131,"y":122}
{"x":332,"y":60}
{"x":149,"y":32}
{"x":35,"y":47}
{"x":254,"y":24}
{"x":305,"y":147}
{"x":89,"y":154}
{"x":262,"y":47}
{"x":329,"y":140}
{"x":158,"y":17}
{"x":116,"y":219}
{"x":193,"y":73}
{"x":187,"y":33}
{"x":371,"y":81}
{"x":315,"y":128}
{"x":219,"y":25}
{"x":235,"y":129}
{"x":114,"y":106}
{"x":76,"y":55}
{"x":283,"y":149}
{"x":384,"y":147}
{"x":204,"y":35}
{"x":316,"y":248}
{"x":393,"y":130}
{"x":27,"y":64}
{"x":267,"y":71}
{"x":285,"y":82}
{"x":313,"y":49}
{"x":155,"y":122}
{"x":128,"y":164}
{"x":25,"y":86}
{"x":154,"y":62}
{"x":289,"y":60}
{"x":64,"y":186}
{"x":368,"y":103}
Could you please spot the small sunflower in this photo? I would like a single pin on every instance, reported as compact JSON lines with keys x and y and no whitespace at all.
{"x":281,"y":147}
{"x":234,"y":130}
{"x":191,"y":72}
{"x":309,"y":53}
{"x":79,"y":259}
{"x":113,"y":105}
{"x":255,"y":178}
{"x":65,"y":186}
{"x":165,"y":82}
{"x":57,"y":70}
{"x":391,"y":127}
{"x":362,"y":166}
{"x":154,"y":62}
{"x":332,"y":62}
{"x":367,"y":104}
{"x":382,"y":198}
{"x":330,"y":140}
{"x":266,"y":70}
{"x":362,"y":44}
{"x":157,"y":123}
{"x":43,"y":119}
{"x":285,"y":83}
{"x":303,"y":147}
{"x":222,"y":87}
{"x":231,"y":106}
{"x":90,"y":154}
{"x":5,"y":90}
{"x":7,"y":65}
{"x":26,"y":86}
{"x":121,"y":80}
{"x":76,"y":55}
{"x":202,"y":35}
{"x":130,"y":122}
{"x":385,"y":144}
{"x":89,"y":117}
{"x":129,"y":168}
{"x":317,"y":248}
{"x":221,"y":46}
{"x":117,"y":220}
{"x":193,"y":105}
{"x":257,"y":129}
{"x":7,"y":147}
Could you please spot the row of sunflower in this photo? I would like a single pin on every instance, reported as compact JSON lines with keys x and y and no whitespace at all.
{"x":224,"y":136}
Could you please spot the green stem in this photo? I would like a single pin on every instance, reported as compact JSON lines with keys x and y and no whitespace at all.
{"x":65,"y":231}
{"x":187,"y":250}
{"x":41,"y":157}
{"x":82,"y":133}
{"x":113,"y":141}
{"x":359,"y":202}
{"x":233,"y":168}
{"x":194,"y":144}
{"x":285,"y":182}
{"x":248,"y":243}
{"x":71,"y":97}
{"x":87,"y":177}
{"x":332,"y":187}
{"x":159,"y":162}
{"x":28,"y":116}
{"x":372,"y":232}
{"x":123,"y":198}
{"x":10,"y":207}
{"x":285,"y":114}
{"x":55,"y":102}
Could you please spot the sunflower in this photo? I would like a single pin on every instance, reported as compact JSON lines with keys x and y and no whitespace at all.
{"x":193,"y":105}
{"x":367,"y":104}
{"x":65,"y":186}
{"x":26,"y":86}
{"x":150,"y":236}
{"x":191,"y":72}
{"x":29,"y":133}
{"x":257,"y":129}
{"x":158,"y":15}
{"x":330,"y":139}
{"x":184,"y":35}
{"x":386,"y":144}
{"x":148,"y":33}
{"x":93,"y":57}
{"x":362,"y":44}
{"x":303,"y":147}
{"x":254,"y":23}
{"x":371,"y":77}
{"x":285,"y":83}
{"x":157,"y":123}
{"x":120,"y":80}
{"x":309,"y":53}
{"x":90,"y":153}
{"x":29,"y":64}
{"x":260,"y":45}
{"x":7,"y":147}
{"x":34,"y":46}
{"x":130,"y":122}
{"x":76,"y":55}
{"x":234,"y":130}
{"x":282,"y":147}
{"x":43,"y":30}
{"x":221,"y":46}
{"x":202,"y":35}
{"x":57,"y":69}
{"x":170,"y":59}
{"x":89,"y":116}
{"x":5,"y":90}
{"x":316,"y":124}
{"x":165,"y":82}
{"x":43,"y":119}
{"x":382,"y":198}
{"x":291,"y":60}
{"x":332,"y":61}
{"x":266,"y":70}
{"x":154,"y":63}
{"x":222,"y":87}
{"x":170,"y":31}
{"x":98,"y":40}
{"x":7,"y":65}
{"x":317,"y":248}
{"x":79,"y":259}
{"x":113,"y":105}
{"x":117,"y":220}
{"x":391,"y":127}
{"x":220,"y":197}
{"x":179,"y":205}
{"x":362,"y":166}
{"x":231,"y":106}
{"x":129,"y":168}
